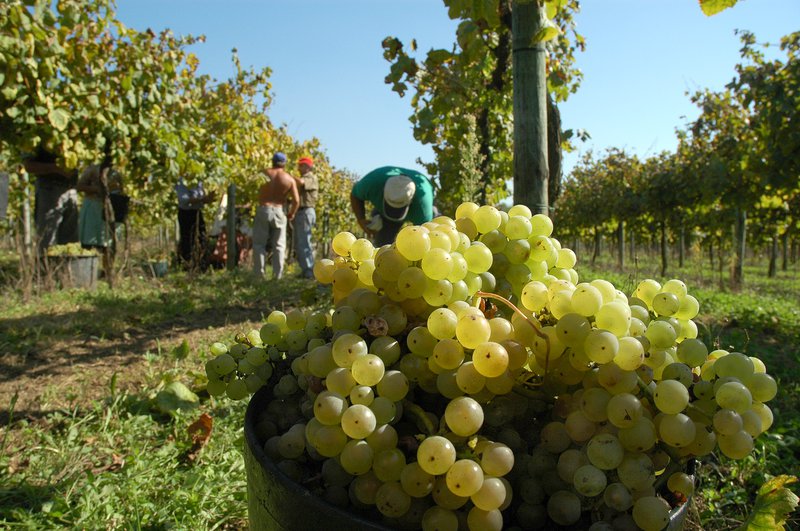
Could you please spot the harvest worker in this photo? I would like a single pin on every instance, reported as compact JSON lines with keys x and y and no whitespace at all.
{"x":308,"y":187}
{"x":192,"y":226}
{"x":397,"y":195}
{"x":56,"y":208}
{"x":270,"y":223}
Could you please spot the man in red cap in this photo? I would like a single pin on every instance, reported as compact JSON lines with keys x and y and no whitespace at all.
{"x":308,"y":186}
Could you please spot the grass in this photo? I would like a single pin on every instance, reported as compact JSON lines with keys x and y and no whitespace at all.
{"x":115,"y":463}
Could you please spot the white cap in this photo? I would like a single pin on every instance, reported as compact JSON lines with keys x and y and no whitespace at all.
{"x":398,"y":192}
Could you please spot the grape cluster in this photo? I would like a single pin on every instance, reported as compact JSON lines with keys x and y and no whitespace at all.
{"x":466,"y":378}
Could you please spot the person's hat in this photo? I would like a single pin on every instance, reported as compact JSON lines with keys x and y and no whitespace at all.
{"x":279,"y":158}
{"x":308,"y":161}
{"x":398,"y":192}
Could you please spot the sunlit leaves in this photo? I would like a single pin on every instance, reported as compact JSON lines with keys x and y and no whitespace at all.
{"x":712,"y":7}
{"x":774,"y":503}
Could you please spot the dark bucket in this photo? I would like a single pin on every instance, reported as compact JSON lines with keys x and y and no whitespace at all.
{"x":275,"y":502}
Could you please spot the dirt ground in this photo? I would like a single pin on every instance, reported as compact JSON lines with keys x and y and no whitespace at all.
{"x":70,"y":372}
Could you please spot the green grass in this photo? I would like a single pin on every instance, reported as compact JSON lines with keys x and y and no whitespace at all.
{"x":118,"y":465}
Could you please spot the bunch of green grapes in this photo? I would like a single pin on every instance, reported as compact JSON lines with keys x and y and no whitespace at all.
{"x":466,"y":378}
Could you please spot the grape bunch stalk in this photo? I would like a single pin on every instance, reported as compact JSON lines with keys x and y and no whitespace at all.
{"x":466,"y":379}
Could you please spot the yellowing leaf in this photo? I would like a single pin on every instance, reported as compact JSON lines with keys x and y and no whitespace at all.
{"x":59,"y":119}
{"x":774,"y":503}
{"x":712,"y":7}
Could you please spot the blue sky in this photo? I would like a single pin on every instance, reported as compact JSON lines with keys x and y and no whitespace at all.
{"x":642,"y":57}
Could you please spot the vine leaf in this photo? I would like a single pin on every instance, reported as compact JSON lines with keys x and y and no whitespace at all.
{"x":712,"y":7}
{"x":59,"y":118}
{"x":773,"y":504}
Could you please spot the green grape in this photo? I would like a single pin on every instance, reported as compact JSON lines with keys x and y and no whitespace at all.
{"x":624,"y":410}
{"x":437,"y":264}
{"x":579,"y":427}
{"x":518,"y":252}
{"x":555,"y":438}
{"x":436,"y":455}
{"x":490,"y":359}
{"x":692,"y":352}
{"x":736,"y":446}
{"x":665,"y":303}
{"x":587,"y":299}
{"x":218,"y":349}
{"x":618,"y":497}
{"x":412,"y":282}
{"x":236,"y":389}
{"x":342,"y":243}
{"x":460,"y":268}
{"x":441,"y":239}
{"x":329,"y":441}
{"x":390,"y":263}
{"x":566,"y":259}
{"x":661,"y":334}
{"x":442,"y":323}
{"x":438,"y":292}
{"x":573,"y":329}
{"x":518,"y":226}
{"x":564,"y":507}
{"x":495,"y":240}
{"x":420,"y":341}
{"x":765,"y":413}
{"x":340,"y":380}
{"x":681,"y":483}
{"x":386,"y":348}
{"x":671,"y":396}
{"x":447,"y":384}
{"x":647,"y":290}
{"x":439,"y":519}
{"x":464,"y":477}
{"x":601,"y":346}
{"x":347,"y":348}
{"x":534,"y":296}
{"x":366,"y":272}
{"x":589,"y":481}
{"x":639,"y":437}
{"x":541,"y":225}
{"x":277,"y":317}
{"x":464,"y":416}
{"x":356,"y":457}
{"x":688,"y":309}
{"x":394,"y":385}
{"x":384,"y":410}
{"x":676,"y":430}
{"x":651,"y":513}
{"x":478,"y":257}
{"x":329,"y":408}
{"x":362,"y":250}
{"x":472,"y":330}
{"x":383,"y":437}
{"x":389,"y":464}
{"x":605,"y":451}
{"x":362,"y":394}
{"x":368,"y":369}
{"x":413,"y":242}
{"x":216,"y":387}
{"x":345,"y":318}
{"x":636,"y":471}
{"x":323,"y":270}
{"x":736,"y":365}
{"x":615,"y":317}
{"x":490,"y":496}
{"x":448,"y":354}
{"x":469,"y":380}
{"x":486,"y":218}
{"x":735,"y":396}
{"x":395,"y":318}
{"x":391,"y":500}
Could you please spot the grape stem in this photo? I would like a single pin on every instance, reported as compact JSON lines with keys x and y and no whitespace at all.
{"x":488,"y":295}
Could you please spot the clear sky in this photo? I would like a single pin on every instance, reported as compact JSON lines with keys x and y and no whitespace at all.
{"x":642,"y":57}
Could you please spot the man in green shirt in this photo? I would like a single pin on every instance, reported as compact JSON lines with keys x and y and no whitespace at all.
{"x":397,"y":195}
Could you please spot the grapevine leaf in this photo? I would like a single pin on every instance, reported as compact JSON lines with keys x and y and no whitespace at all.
{"x":712,"y":7}
{"x":774,"y":503}
{"x":59,"y":118}
{"x":175,"y":396}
